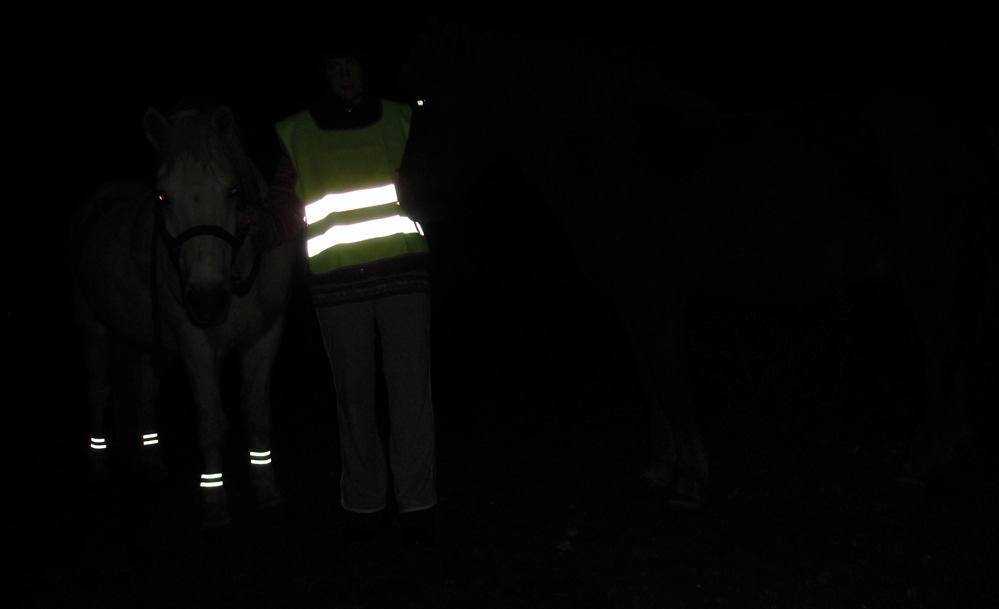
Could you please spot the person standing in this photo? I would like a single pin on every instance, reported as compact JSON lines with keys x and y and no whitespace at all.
{"x":369,"y":282}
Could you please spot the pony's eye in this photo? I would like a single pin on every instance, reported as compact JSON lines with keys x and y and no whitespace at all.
{"x":233,"y":193}
{"x":162,"y":198}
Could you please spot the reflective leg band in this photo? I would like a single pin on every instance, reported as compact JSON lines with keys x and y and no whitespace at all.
{"x":211,"y":480}
{"x":98,"y":443}
{"x":263,"y":458}
{"x":150,"y":438}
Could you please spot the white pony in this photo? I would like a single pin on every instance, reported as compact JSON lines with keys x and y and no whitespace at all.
{"x":163,"y":266}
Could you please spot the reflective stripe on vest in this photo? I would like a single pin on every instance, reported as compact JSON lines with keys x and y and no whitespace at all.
{"x":349,"y":201}
{"x":360,"y":223}
{"x":357,"y":227}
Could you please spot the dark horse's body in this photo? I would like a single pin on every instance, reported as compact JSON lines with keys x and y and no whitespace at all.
{"x":158,"y":264}
{"x":661,"y":197}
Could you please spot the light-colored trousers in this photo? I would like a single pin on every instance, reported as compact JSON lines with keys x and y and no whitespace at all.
{"x":350,"y":332}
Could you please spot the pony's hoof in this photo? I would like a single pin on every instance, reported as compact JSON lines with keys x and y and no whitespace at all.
{"x":98,"y":478}
{"x":909,"y":481}
{"x":218,"y":534}
{"x":273,"y":514}
{"x":685,"y":503}
{"x":98,"y":472}
{"x":917,"y":473}
{"x":270,"y":501}
{"x":157,"y":473}
{"x":657,"y":477}
{"x":689,"y":494}
{"x":215,"y":516}
{"x":215,"y":523}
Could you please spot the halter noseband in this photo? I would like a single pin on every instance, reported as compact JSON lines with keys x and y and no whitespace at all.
{"x":241,"y":286}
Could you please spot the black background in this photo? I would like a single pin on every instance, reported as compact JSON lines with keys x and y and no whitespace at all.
{"x":534,"y":452}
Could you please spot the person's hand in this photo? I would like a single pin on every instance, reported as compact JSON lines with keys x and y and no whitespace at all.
{"x":248,"y":220}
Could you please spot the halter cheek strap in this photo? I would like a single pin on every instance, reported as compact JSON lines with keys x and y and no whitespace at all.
{"x":241,"y":286}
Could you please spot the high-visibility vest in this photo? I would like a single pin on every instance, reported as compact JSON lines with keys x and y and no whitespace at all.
{"x":346,"y":178}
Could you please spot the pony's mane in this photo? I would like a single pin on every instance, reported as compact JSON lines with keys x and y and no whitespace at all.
{"x":206,"y":132}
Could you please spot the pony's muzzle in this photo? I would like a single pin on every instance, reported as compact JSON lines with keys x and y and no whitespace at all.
{"x":207,"y":304}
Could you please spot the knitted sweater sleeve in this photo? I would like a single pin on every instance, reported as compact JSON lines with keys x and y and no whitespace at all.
{"x":283,"y":217}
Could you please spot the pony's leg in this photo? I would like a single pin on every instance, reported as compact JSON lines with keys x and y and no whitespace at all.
{"x":257,"y":363}
{"x":941,"y":428}
{"x":932,"y":252}
{"x":150,"y":454}
{"x":97,"y":359}
{"x":203,"y":369}
{"x":677,"y":459}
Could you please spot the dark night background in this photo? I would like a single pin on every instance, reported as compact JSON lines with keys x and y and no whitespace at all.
{"x":540,"y":430}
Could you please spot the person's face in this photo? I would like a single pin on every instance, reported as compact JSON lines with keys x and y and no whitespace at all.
{"x":346,"y":78}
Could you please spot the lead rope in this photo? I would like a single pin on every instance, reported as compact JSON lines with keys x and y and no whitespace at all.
{"x":159,"y":361}
{"x":241,"y":286}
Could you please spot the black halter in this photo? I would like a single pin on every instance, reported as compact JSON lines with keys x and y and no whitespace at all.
{"x":241,"y":285}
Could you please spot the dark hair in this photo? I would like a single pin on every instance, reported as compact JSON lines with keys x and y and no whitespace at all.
{"x":376,"y":49}
{"x":332,"y":44}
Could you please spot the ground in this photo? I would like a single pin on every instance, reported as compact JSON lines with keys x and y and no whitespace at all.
{"x":541,"y":440}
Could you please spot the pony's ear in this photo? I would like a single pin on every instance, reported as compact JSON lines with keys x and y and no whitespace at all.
{"x":156,"y":127}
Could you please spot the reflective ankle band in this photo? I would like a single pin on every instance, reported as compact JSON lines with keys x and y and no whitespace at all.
{"x":98,"y":443}
{"x":263,"y":458}
{"x":150,"y":438}
{"x":211,"y":480}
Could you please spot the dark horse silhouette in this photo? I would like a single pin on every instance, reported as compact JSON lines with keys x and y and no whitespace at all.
{"x":662,"y":196}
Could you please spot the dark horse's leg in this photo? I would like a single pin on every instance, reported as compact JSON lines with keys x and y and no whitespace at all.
{"x":677,"y":461}
{"x":941,"y":422}
{"x":924,"y":151}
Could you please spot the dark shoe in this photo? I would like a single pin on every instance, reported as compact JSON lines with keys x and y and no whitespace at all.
{"x":361,"y":527}
{"x":417,"y":528}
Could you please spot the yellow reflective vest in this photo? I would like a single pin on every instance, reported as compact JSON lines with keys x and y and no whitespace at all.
{"x":346,"y":179}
